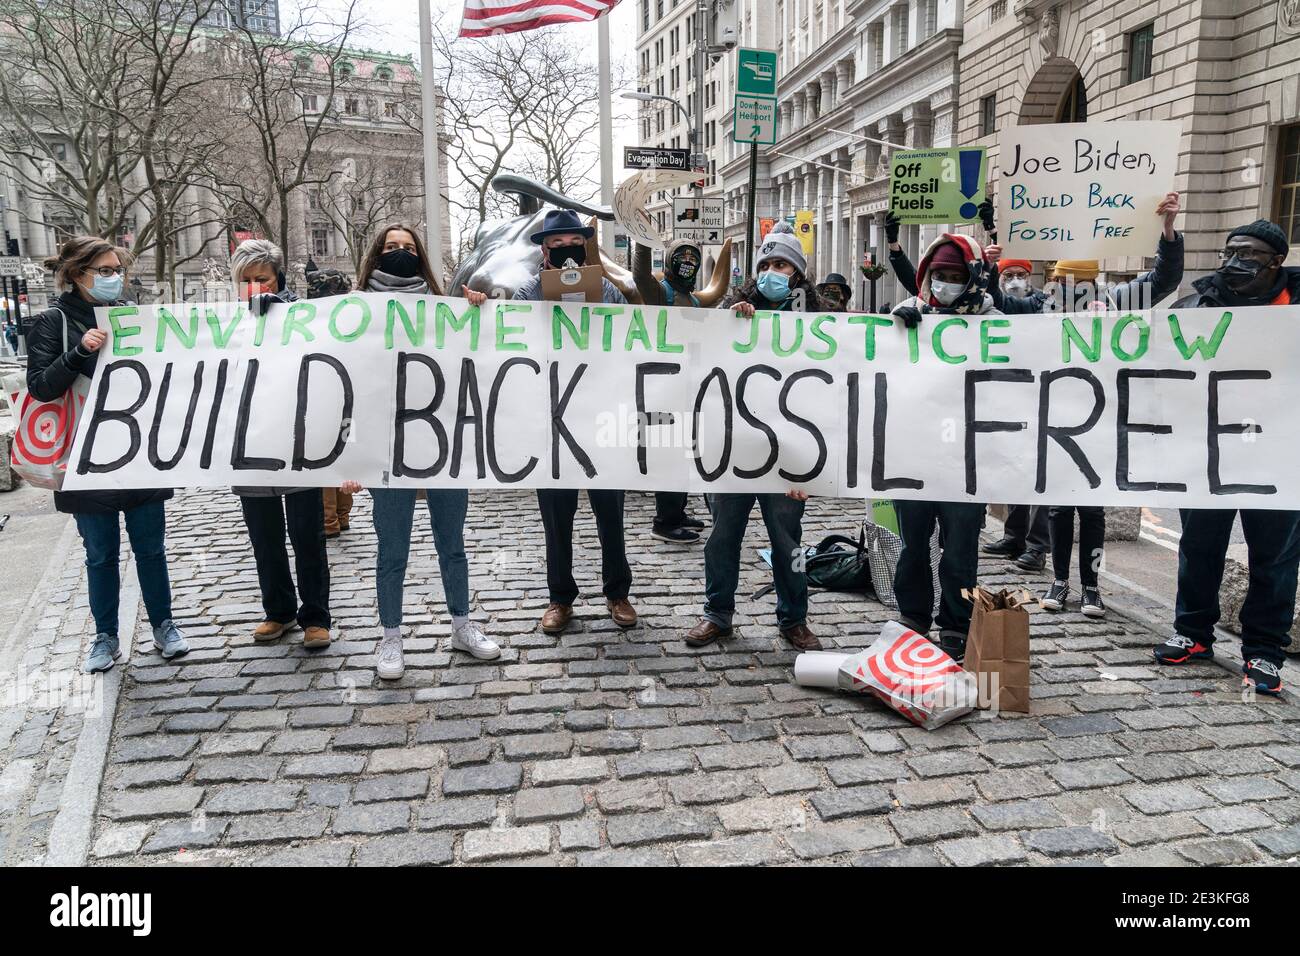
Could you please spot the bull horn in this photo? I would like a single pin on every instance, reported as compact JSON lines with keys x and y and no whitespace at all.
{"x":511,"y":184}
{"x":720,"y":281}
{"x":615,"y":273}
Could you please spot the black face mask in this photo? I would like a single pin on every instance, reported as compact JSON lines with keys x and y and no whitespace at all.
{"x":401,"y":263}
{"x":685,"y":268}
{"x":1237,"y":273}
{"x":560,"y":255}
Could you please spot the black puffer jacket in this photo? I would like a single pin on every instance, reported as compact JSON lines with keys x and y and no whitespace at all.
{"x":51,"y":371}
{"x":1211,"y":293}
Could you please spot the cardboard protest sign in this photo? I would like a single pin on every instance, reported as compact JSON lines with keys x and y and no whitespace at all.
{"x":936,"y":185}
{"x":1084,"y":190}
{"x":633,"y":197}
{"x":1188,"y":408}
{"x":581,"y":284}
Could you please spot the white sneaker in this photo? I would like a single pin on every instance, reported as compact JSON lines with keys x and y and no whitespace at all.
{"x":389,"y":664}
{"x":469,"y":637}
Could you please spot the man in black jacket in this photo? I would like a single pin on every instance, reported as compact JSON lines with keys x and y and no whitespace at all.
{"x":1252,"y":274}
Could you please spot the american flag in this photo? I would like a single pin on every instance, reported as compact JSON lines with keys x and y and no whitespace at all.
{"x":488,"y":17}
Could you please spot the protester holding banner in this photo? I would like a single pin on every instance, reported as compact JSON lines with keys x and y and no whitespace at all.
{"x":1092,"y":537}
{"x":322,"y":283}
{"x":257,"y":270}
{"x":952,"y":280}
{"x":396,"y":261}
{"x":92,"y":272}
{"x":781,"y":286}
{"x":563,"y":239}
{"x":904,"y":271}
{"x":1252,"y":274}
{"x":1073,"y":287}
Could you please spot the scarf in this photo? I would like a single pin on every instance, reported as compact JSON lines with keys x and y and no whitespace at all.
{"x":381,"y":281}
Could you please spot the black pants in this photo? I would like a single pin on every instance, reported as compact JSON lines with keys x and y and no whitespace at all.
{"x":1028,"y":525}
{"x":1092,"y":541}
{"x":304,"y":514}
{"x":670,"y":509}
{"x":1273,"y":553}
{"x":959,"y":537}
{"x":558,"y":507}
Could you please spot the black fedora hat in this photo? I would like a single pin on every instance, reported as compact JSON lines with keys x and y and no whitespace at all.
{"x":562,"y":222}
{"x":836,"y":279}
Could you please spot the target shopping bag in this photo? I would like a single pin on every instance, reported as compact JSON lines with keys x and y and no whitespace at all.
{"x":913,"y":676}
{"x":44,"y":430}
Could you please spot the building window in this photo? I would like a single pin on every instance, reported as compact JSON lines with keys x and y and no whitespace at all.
{"x":989,"y":115}
{"x":351,"y":106}
{"x":384,"y":75}
{"x":390,"y":109}
{"x":1287,"y":205}
{"x":1140,"y":43}
{"x":320,"y":240}
{"x":309,"y":103}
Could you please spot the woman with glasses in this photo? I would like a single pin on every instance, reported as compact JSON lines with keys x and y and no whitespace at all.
{"x":63,"y":346}
{"x":397,"y":263}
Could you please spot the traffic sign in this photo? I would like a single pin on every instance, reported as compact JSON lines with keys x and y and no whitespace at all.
{"x":700,"y":220}
{"x":11,"y":266}
{"x":756,"y":72}
{"x":755,"y":119}
{"x":650,"y":157}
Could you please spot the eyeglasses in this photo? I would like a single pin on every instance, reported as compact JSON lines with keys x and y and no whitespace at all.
{"x":107,"y":272}
{"x":1246,"y":252}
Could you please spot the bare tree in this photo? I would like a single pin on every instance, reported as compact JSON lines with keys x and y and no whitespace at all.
{"x":370,"y":192}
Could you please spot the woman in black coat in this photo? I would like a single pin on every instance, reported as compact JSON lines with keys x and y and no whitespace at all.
{"x":92,"y":272}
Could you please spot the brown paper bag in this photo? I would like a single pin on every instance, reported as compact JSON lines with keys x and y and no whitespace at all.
{"x":997,"y":649}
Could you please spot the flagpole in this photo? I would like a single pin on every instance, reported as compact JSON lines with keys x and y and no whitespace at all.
{"x":429,"y":128}
{"x":606,"y":130}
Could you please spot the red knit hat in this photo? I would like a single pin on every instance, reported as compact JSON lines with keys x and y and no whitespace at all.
{"x":1005,"y":264}
{"x":948,"y":256}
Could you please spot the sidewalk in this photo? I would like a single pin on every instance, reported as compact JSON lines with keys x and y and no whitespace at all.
{"x":603,"y":747}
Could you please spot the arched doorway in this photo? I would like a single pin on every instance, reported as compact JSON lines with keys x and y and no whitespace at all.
{"x":1056,"y":94}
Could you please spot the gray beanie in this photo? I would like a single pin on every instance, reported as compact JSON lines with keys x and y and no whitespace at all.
{"x":782,"y":245}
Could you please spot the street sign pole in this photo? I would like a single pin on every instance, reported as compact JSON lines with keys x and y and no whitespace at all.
{"x":753,"y":121}
{"x":752,"y":245}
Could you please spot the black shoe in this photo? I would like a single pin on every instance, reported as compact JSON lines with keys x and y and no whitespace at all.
{"x":1056,"y":596}
{"x":1031,"y":561}
{"x":1007,"y":547}
{"x":1182,"y":650}
{"x":675,"y":535}
{"x":693,"y":523}
{"x":953,"y":644}
{"x":1091,"y":604}
{"x":1262,"y":675}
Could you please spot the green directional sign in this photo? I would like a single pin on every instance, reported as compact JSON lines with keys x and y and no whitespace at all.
{"x":756,"y":72}
{"x":755,"y":120}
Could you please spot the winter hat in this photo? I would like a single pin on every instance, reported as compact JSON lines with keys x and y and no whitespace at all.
{"x":1005,"y":264}
{"x":561,"y":222}
{"x":1080,"y":270}
{"x":1266,"y":231}
{"x":948,"y":256}
{"x":782,"y":245}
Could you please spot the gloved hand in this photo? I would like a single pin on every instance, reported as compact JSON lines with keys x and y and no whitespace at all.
{"x":891,"y":228}
{"x":910,"y":315}
{"x":986,"y":216}
{"x":261,"y":303}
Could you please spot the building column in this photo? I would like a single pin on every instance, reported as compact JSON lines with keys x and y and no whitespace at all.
{"x":943,"y":116}
{"x":827,"y":83}
{"x":843,"y":80}
{"x":916,"y":124}
{"x":822,"y":235}
{"x":798,"y":108}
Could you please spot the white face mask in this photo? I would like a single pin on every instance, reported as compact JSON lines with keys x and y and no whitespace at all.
{"x":1016,"y":287}
{"x":947,"y":292}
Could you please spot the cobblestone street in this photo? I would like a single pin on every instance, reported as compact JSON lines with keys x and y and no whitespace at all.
{"x":605,"y":747}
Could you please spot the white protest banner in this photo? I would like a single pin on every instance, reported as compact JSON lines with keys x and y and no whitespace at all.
{"x":1192,"y":408}
{"x":633,"y":196}
{"x":1084,"y":190}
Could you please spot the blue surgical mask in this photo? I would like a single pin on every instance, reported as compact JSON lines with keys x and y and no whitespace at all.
{"x":774,"y":286}
{"x":107,"y":288}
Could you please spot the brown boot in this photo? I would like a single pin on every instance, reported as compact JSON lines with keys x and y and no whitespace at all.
{"x":270,"y":630}
{"x":802,"y":638}
{"x":705,"y":633}
{"x":623,"y":613}
{"x":316,"y":637}
{"x":556,"y":618}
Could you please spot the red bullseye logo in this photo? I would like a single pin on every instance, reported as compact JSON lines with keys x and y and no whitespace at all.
{"x":913,"y":664}
{"x":46,"y":431}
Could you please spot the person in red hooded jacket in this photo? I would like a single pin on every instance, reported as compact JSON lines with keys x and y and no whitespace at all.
{"x":951,"y":280}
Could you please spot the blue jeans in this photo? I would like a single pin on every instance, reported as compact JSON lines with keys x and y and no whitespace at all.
{"x":393,"y":513}
{"x":783,"y":517}
{"x":102,"y":536}
{"x":1273,"y":554}
{"x":959,"y":536}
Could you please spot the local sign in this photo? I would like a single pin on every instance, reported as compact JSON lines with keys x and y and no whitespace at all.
{"x":700,"y":220}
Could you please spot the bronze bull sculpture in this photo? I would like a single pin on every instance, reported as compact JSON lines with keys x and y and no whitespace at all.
{"x":504,"y":258}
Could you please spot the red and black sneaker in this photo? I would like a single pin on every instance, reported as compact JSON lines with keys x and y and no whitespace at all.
{"x":1182,"y":650}
{"x":1264,"y":676}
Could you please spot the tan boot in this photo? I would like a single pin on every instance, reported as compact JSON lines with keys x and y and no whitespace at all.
{"x":556,"y":618}
{"x":316,"y":637}
{"x":270,"y":630}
